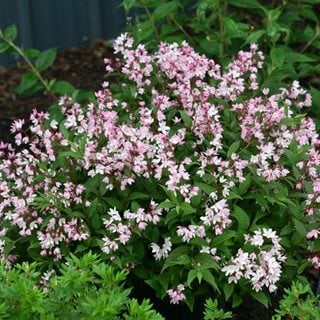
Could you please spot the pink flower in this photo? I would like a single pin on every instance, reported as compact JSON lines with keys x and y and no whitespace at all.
{"x":176,"y":295}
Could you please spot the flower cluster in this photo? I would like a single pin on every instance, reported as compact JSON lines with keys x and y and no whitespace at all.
{"x":261,"y":268}
{"x":164,"y":155}
{"x":176,"y":295}
{"x":161,"y":253}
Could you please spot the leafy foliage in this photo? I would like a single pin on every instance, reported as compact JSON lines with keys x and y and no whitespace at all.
{"x":82,"y":288}
{"x":32,"y":82}
{"x":287,"y":31}
{"x":298,"y":302}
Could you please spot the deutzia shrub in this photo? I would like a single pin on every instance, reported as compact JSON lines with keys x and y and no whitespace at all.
{"x":193,"y":177}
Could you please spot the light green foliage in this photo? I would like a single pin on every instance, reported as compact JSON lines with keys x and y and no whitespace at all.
{"x":212,"y":312}
{"x":83,"y":288}
{"x":299,"y":303}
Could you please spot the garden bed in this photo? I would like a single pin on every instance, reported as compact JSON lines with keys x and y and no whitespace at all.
{"x":82,"y":67}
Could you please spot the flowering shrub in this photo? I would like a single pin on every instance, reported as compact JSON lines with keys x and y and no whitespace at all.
{"x":182,"y":172}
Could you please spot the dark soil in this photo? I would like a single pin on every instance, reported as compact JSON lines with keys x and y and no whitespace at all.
{"x":82,"y":67}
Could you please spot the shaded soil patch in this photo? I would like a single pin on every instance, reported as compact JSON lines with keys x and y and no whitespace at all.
{"x":82,"y":67}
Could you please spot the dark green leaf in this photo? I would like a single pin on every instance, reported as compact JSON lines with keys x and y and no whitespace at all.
{"x":138,"y":195}
{"x":178,"y":256}
{"x":248,"y":4}
{"x":298,"y":57}
{"x":277,"y":55}
{"x":187,"y":208}
{"x":165,"y":9}
{"x":301,"y":229}
{"x":261,"y":297}
{"x":46,"y":59}
{"x":96,"y":221}
{"x":209,"y":278}
{"x":28,"y":82}
{"x":62,"y":88}
{"x":206,"y":188}
{"x":128,"y":4}
{"x":114,"y":203}
{"x":145,"y":30}
{"x":233,"y":148}
{"x":10,"y":33}
{"x":32,"y":53}
{"x":236,"y":300}
{"x":242,"y":217}
{"x":186,"y":119}
{"x":191,"y":276}
{"x":166,"y":205}
{"x":206,"y":261}
{"x":253,"y":37}
{"x":228,"y":289}
{"x":4,"y":47}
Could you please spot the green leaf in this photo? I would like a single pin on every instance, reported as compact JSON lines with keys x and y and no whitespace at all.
{"x":62,"y":88}
{"x":236,"y":300}
{"x":72,"y":154}
{"x":166,"y":205}
{"x":10,"y":33}
{"x":261,"y":297}
{"x":277,"y":55}
{"x":186,"y":119}
{"x":253,"y":37}
{"x":96,"y":221}
{"x":233,"y":195}
{"x":225,"y":236}
{"x":242,"y":217}
{"x":228,"y":289}
{"x":165,"y":9}
{"x":114,"y":203}
{"x":244,"y":186}
{"x":178,"y":256}
{"x":46,"y":59}
{"x":205,"y":261}
{"x":4,"y":47}
{"x":205,"y":187}
{"x":138,"y":195}
{"x":134,"y":206}
{"x":128,"y":4}
{"x":209,"y":278}
{"x":28,"y":80}
{"x":93,"y":207}
{"x":316,"y":100}
{"x":233,"y":148}
{"x":298,"y":57}
{"x":32,"y":53}
{"x":145,"y":30}
{"x":192,"y":274}
{"x":190,"y":301}
{"x":187,"y":208}
{"x":301,"y":229}
{"x":248,"y":4}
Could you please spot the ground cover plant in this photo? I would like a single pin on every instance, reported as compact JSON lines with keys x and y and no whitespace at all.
{"x":193,"y":177}
{"x":83,"y":288}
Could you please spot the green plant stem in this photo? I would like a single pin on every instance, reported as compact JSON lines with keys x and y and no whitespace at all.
{"x":220,"y":9}
{"x":309,"y":43}
{"x":179,"y":26}
{"x":151,"y":20}
{"x":29,"y":63}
